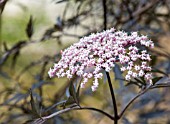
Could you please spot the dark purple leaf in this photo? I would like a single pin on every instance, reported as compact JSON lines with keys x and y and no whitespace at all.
{"x":155,"y":114}
{"x":16,"y":98}
{"x":72,"y":92}
{"x":159,"y":71}
{"x":30,"y":28}
{"x":35,"y":106}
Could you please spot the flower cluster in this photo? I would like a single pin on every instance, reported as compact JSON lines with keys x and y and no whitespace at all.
{"x":101,"y":51}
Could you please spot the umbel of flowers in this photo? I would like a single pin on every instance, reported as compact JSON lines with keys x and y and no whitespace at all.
{"x":100,"y":51}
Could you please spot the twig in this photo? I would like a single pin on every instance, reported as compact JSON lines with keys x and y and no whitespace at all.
{"x":160,"y":86}
{"x":100,"y":111}
{"x":140,"y":11}
{"x":141,"y":93}
{"x":43,"y":119}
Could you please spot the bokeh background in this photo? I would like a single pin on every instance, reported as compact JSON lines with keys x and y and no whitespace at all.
{"x":32,"y":34}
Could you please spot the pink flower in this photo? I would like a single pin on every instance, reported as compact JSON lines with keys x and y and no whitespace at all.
{"x":127,"y":77}
{"x":101,"y":51}
{"x":141,"y":73}
{"x":123,"y":68}
{"x":137,"y":68}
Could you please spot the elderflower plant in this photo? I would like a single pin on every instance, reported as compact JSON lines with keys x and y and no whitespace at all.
{"x":99,"y":51}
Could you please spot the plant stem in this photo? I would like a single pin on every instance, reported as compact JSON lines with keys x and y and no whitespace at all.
{"x":113,"y":98}
{"x":141,"y":93}
{"x":98,"y":110}
{"x":43,"y":119}
{"x":78,"y":108}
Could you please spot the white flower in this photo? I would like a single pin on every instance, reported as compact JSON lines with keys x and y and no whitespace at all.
{"x":101,"y":51}
{"x":148,"y":76}
{"x":90,"y":75}
{"x":94,"y":88}
{"x":127,"y":77}
{"x":134,"y":75}
{"x":123,"y":68}
{"x":130,"y":72}
{"x":137,"y":67}
{"x":141,"y":73}
{"x":107,"y":69}
{"x":51,"y":73}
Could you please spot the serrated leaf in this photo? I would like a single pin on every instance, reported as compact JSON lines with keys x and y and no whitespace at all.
{"x":78,"y":94}
{"x":30,"y":28}
{"x":38,"y":85}
{"x":34,"y":106}
{"x":163,"y":80}
{"x":72,"y":92}
{"x":159,"y":71}
{"x":140,"y":81}
{"x":16,"y":98}
{"x":155,"y":114}
{"x":133,"y":82}
{"x":156,"y":79}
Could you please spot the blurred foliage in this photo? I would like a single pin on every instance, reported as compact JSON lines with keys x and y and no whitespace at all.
{"x":25,"y":61}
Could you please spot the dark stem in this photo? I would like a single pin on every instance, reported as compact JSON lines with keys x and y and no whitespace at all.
{"x":98,"y":110}
{"x":104,"y":15}
{"x":43,"y":119}
{"x":113,"y":98}
{"x":108,"y":77}
{"x":141,"y":93}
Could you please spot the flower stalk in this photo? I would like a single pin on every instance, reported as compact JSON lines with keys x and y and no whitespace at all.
{"x":113,"y":99}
